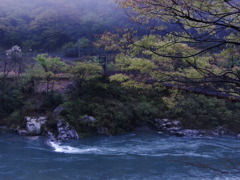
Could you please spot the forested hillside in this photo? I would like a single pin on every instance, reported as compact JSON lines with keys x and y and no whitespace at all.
{"x":132,"y":62}
{"x":46,"y":25}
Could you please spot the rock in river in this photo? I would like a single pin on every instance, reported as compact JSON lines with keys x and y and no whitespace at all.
{"x":65,"y":131}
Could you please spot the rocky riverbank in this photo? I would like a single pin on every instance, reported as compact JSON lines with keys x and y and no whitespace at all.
{"x":36,"y":126}
{"x":39,"y":126}
{"x":174,"y":127}
{"x":103,"y":107}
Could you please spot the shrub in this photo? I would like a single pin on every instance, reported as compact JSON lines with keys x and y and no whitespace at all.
{"x":199,"y":111}
{"x":51,"y":100}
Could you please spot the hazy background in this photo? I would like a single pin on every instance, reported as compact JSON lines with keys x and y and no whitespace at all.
{"x":49,"y":25}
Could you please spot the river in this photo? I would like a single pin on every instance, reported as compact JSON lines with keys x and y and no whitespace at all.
{"x":135,"y":156}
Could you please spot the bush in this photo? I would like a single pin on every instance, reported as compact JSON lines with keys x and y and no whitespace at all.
{"x":51,"y":100}
{"x":201,"y":112}
{"x":15,"y":119}
{"x":10,"y":101}
{"x":114,"y":107}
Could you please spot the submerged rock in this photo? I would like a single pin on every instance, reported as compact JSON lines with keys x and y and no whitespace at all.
{"x":103,"y":131}
{"x":3,"y":129}
{"x":22,"y":132}
{"x":51,"y":136}
{"x":65,"y":131}
{"x":222,"y":131}
{"x":190,"y":132}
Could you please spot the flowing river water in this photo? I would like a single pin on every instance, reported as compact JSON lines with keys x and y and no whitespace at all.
{"x":147,"y":156}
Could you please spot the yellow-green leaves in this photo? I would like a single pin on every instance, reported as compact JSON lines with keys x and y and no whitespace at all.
{"x":119,"y":77}
{"x":82,"y":72}
{"x":120,"y":41}
{"x":50,"y":64}
{"x":127,"y":63}
{"x":50,"y":67}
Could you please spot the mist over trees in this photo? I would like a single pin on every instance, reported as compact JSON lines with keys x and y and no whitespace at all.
{"x":46,"y":25}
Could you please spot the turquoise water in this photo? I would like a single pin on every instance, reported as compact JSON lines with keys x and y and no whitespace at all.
{"x":148,"y":156}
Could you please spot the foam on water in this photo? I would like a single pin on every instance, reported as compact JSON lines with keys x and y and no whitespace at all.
{"x":140,"y":156}
{"x":141,"y":151}
{"x":71,"y":150}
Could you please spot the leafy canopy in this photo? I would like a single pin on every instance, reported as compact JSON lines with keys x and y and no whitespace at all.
{"x":199,"y":48}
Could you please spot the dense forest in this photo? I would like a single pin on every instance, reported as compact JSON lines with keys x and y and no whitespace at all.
{"x":155,"y":62}
{"x":48,"y":25}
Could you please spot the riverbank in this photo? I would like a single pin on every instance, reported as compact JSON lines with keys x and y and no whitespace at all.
{"x":162,"y":126}
{"x":102,"y":107}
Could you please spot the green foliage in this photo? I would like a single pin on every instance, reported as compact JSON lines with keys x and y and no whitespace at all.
{"x":14,"y":120}
{"x":47,"y":25}
{"x":198,"y":51}
{"x":138,"y":71}
{"x":9,"y":101}
{"x":114,"y":107}
{"x":113,"y":114}
{"x":51,"y":101}
{"x":201,"y":112}
{"x":50,"y":67}
{"x":82,"y":72}
{"x":69,"y":45}
{"x":145,"y":61}
{"x":119,"y":78}
{"x":83,"y":42}
{"x":147,"y":109}
{"x":121,"y":41}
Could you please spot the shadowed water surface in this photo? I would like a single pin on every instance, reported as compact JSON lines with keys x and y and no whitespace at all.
{"x":138,"y":156}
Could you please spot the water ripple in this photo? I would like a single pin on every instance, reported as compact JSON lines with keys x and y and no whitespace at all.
{"x":138,"y":156}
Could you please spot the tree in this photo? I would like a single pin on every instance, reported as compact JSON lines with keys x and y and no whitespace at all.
{"x":14,"y":56}
{"x":82,"y":72}
{"x":203,"y":40}
{"x":11,"y":63}
{"x":212,"y":22}
{"x":119,"y":41}
{"x":50,"y":66}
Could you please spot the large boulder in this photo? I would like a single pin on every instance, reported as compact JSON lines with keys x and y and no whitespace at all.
{"x":34,"y":125}
{"x":168,"y":126}
{"x":88,"y":119}
{"x":58,"y":110}
{"x":65,"y":131}
{"x":174,"y":127}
